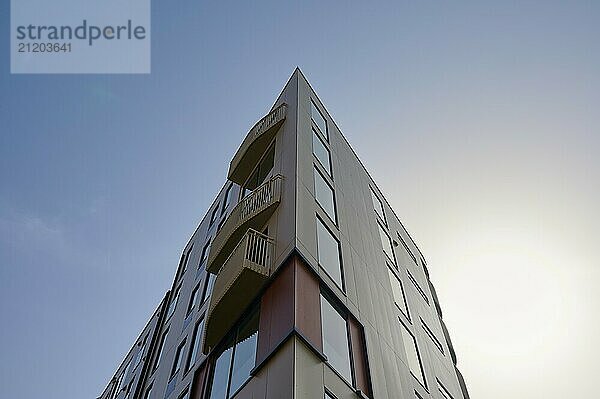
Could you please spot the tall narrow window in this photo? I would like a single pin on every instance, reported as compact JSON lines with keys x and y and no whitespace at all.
{"x":324,"y":195}
{"x":412,"y":354}
{"x":193,"y":299}
{"x":213,"y":216}
{"x":226,"y":199}
{"x":378,"y":206}
{"x":185,"y":394}
{"x":177,"y":359}
{"x":443,"y":391}
{"x":140,"y":353}
{"x":386,"y":242}
{"x":432,"y":336}
{"x":261,"y":172}
{"x":204,"y":254}
{"x":319,"y":120}
{"x":148,"y":392}
{"x":336,"y":345}
{"x":184,"y":260}
{"x":398,"y":292}
{"x":173,"y":303}
{"x":328,"y":250}
{"x":321,"y":152}
{"x":232,"y":367}
{"x":195,"y":345}
{"x":161,"y":346}
{"x":208,"y":286}
{"x":417,"y":286}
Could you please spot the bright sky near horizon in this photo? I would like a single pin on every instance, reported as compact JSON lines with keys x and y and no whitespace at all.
{"x":478,"y":120}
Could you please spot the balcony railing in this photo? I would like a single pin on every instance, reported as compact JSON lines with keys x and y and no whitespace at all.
{"x":238,"y":282}
{"x":251,"y":212}
{"x":255,"y":144}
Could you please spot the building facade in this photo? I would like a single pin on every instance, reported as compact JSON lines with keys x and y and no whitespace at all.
{"x":300,"y":282}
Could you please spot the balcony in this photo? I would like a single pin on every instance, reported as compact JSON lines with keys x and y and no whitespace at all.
{"x":252,"y":212}
{"x":255,"y":144}
{"x":238,"y":282}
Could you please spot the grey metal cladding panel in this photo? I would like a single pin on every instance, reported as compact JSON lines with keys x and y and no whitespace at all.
{"x":376,"y":365}
{"x":308,"y":373}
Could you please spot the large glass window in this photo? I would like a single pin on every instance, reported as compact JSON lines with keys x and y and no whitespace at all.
{"x":378,"y":206}
{"x":335,"y":339}
{"x":412,"y":355}
{"x":328,"y":249}
{"x":324,"y":195}
{"x":319,"y":120}
{"x":177,"y":359}
{"x":195,"y":345}
{"x":321,"y":152}
{"x":398,"y":292}
{"x":237,"y":359}
{"x":386,"y":242}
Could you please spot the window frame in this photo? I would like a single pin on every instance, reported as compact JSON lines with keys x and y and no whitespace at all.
{"x":332,"y":302}
{"x":194,"y":345}
{"x":417,"y":352}
{"x":342,"y":283}
{"x":177,"y":359}
{"x":317,"y":108}
{"x":392,"y":275}
{"x":317,"y":136}
{"x":226,"y":199}
{"x":316,"y":172}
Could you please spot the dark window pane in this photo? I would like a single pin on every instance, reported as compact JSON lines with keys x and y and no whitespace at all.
{"x":226,"y":199}
{"x":321,"y":152}
{"x":412,"y":355}
{"x":221,"y":374}
{"x":324,"y":195}
{"x":316,"y":116}
{"x":245,"y":352}
{"x":328,"y":250}
{"x":335,"y":339}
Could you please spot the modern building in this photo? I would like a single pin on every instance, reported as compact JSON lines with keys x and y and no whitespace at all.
{"x":300,"y":282}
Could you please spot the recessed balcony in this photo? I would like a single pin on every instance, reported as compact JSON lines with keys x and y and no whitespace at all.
{"x":255,"y":144}
{"x":252,"y":212}
{"x":238,"y":282}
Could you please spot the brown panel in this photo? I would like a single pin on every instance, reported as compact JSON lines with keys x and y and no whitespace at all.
{"x":277,"y":308}
{"x":361,"y":370}
{"x":308,"y":307}
{"x":199,"y":382}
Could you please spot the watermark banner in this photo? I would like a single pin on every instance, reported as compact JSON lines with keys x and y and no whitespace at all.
{"x":80,"y":36}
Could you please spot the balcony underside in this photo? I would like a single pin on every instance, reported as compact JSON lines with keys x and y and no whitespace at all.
{"x":255,"y":144}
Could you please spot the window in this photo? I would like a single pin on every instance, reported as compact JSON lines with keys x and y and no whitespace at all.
{"x":329,"y":396}
{"x":161,"y":346}
{"x":412,"y":255}
{"x":193,"y":299}
{"x":324,"y":195}
{"x":185,"y":394}
{"x":386,"y":242}
{"x":177,"y":359}
{"x":204,"y":254}
{"x":209,"y":282}
{"x":184,"y":260}
{"x":139,"y":354}
{"x":173,"y":303}
{"x":148,"y":392}
{"x":319,"y":120}
{"x":378,"y":206}
{"x":336,"y":345}
{"x":412,"y":354}
{"x":432,"y":336}
{"x":417,"y":286}
{"x":237,"y":359}
{"x":195,"y":345}
{"x":261,"y":172}
{"x":443,"y":391}
{"x":213,"y":216}
{"x":328,"y":250}
{"x":398,"y":292}
{"x":226,"y":199}
{"x":321,"y":152}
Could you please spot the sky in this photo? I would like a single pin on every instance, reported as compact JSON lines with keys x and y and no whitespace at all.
{"x":478,"y":120}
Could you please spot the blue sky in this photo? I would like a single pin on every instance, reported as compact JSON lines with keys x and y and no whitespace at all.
{"x":478,"y":120}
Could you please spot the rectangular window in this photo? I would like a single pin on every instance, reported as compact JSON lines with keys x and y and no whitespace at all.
{"x":204,"y":254}
{"x":319,"y":120}
{"x":184,"y":260}
{"x":209,"y":282}
{"x":265,"y":166}
{"x":226,"y":199}
{"x":195,"y":345}
{"x":405,"y":245}
{"x":177,"y":359}
{"x":324,"y":195}
{"x":378,"y":206}
{"x":232,"y":367}
{"x":386,"y":242}
{"x":173,"y":303}
{"x":213,"y":216}
{"x":321,"y":152}
{"x":328,"y":250}
{"x":161,"y":346}
{"x":398,"y":292}
{"x":432,"y":336}
{"x":443,"y":391}
{"x":412,"y":355}
{"x":193,"y":299}
{"x":417,"y":286}
{"x":336,"y":345}
{"x":138,"y":356}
